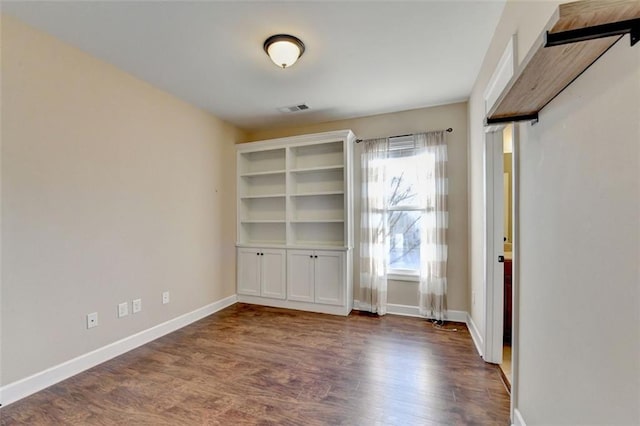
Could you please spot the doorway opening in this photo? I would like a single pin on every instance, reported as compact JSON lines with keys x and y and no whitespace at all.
{"x":506,"y":367}
{"x":501,"y":252}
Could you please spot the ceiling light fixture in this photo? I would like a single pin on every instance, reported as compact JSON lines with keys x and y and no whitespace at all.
{"x":283,"y":49}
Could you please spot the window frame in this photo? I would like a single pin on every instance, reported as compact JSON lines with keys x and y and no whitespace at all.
{"x":403,"y":150}
{"x":398,"y":274}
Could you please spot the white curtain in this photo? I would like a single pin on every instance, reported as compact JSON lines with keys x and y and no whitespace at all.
{"x":435,"y":222}
{"x":373,"y":242}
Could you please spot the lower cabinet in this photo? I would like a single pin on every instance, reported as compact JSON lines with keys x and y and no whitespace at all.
{"x":262,"y":272}
{"x":301,"y":279}
{"x":316,"y":276}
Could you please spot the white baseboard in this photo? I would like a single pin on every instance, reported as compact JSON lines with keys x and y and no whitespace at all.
{"x":517,"y":418}
{"x":410,"y":311}
{"x":36,"y":382}
{"x":475,"y":334}
{"x":414,"y":311}
{"x":404,"y":310}
{"x":291,"y":304}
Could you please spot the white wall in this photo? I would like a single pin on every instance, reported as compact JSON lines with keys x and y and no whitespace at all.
{"x":579,"y":307}
{"x":413,"y":121}
{"x":580,"y":246}
{"x":111,"y":190}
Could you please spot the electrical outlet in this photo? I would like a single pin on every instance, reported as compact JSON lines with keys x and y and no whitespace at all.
{"x":165,"y":297}
{"x":473,"y":298}
{"x":136,"y":306}
{"x":123,"y":309}
{"x":92,"y":320}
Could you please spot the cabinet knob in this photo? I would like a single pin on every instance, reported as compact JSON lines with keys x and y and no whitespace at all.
{"x":261,"y":254}
{"x":315,"y":256}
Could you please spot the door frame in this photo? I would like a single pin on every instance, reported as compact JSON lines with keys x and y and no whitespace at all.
{"x":493,"y":234}
{"x":494,"y":285}
{"x":515,"y":265}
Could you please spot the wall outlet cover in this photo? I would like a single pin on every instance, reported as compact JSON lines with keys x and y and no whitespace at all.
{"x":165,"y":297}
{"x":92,"y":320}
{"x":136,"y":305}
{"x":123,"y":309}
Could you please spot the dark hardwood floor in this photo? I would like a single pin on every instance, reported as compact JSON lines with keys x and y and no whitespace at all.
{"x":256,"y":365}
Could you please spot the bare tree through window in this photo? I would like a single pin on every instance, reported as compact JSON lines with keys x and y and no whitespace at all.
{"x":403,"y":225}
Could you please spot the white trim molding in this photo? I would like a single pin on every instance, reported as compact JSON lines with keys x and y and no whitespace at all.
{"x":292,"y":304}
{"x":12,"y":392}
{"x":414,"y":311}
{"x":502,"y":74}
{"x":518,"y":420}
{"x":475,"y":334}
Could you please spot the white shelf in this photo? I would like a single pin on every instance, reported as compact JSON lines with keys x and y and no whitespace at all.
{"x":310,"y":244}
{"x":317,"y":169}
{"x":255,"y":197}
{"x":262,"y":209}
{"x":317,"y":232}
{"x":265,"y":173}
{"x":316,"y":193}
{"x":262,"y":185}
{"x":266,"y":161}
{"x":262,"y":231}
{"x":317,"y":221}
{"x":263,"y":221}
{"x":313,"y":245}
{"x":327,"y":154}
{"x":263,"y":243}
{"x":322,"y":245}
{"x":317,"y":208}
{"x":322,"y":179}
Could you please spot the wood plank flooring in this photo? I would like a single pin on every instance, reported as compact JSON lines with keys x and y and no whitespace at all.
{"x":250,"y":364}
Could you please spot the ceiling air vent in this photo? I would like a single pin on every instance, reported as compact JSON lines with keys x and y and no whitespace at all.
{"x":294,"y":108}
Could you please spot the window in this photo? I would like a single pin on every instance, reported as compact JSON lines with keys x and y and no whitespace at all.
{"x":404,"y":221}
{"x":405,"y":170}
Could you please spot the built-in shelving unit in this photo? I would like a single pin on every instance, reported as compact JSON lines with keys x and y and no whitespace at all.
{"x":576,"y":36}
{"x":294,"y":194}
{"x":293,"y":191}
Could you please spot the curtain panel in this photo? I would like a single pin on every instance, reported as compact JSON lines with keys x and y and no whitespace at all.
{"x":373,"y":242}
{"x":435,"y":223}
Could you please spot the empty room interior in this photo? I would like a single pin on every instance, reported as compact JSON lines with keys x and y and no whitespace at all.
{"x":372,"y":212}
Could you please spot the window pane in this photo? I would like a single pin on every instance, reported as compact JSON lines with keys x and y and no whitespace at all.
{"x":402,"y":181}
{"x":404,"y":240}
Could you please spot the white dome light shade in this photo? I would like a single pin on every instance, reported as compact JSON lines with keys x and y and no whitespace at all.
{"x":283,"y":53}
{"x":284,"y":50}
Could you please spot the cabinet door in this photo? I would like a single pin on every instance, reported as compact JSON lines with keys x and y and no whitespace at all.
{"x":249,"y":271}
{"x":300,"y":275}
{"x":274,"y":279}
{"x":329,"y":277}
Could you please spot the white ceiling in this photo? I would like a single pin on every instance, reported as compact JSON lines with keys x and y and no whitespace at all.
{"x":361,"y":58}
